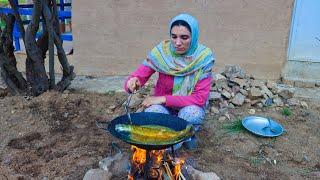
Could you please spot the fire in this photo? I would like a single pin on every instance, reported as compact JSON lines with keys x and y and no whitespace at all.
{"x":139,"y":155}
{"x":159,"y":163}
{"x":177,"y":168}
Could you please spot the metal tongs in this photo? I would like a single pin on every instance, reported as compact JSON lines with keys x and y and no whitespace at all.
{"x":126,"y":107}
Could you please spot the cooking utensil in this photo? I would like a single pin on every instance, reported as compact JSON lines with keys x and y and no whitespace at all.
{"x":262,"y":126}
{"x":126,"y":107}
{"x":270,"y":126}
{"x":147,"y":118}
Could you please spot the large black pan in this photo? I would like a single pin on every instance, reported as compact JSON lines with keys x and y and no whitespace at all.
{"x":149,"y":118}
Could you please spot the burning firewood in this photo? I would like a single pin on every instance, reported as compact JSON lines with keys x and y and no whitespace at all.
{"x":155,"y":164}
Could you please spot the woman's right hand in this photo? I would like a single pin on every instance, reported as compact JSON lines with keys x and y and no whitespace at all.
{"x":133,"y":84}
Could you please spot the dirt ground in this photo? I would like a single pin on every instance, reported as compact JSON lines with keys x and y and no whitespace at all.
{"x":55,"y":136}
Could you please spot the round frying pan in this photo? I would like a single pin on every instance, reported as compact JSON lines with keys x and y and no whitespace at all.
{"x":149,"y":118}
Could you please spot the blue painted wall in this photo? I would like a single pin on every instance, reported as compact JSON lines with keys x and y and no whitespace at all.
{"x":304,"y":42}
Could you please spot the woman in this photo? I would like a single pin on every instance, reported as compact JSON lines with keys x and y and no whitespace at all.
{"x":184,"y":68}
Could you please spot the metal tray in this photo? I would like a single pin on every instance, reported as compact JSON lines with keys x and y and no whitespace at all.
{"x":260,"y":126}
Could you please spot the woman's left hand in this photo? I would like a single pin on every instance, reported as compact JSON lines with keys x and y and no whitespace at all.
{"x":153,"y":100}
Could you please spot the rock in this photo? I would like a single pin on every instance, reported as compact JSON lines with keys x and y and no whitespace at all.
{"x":257,"y":83}
{"x":244,"y":92}
{"x":234,"y":71}
{"x":252,"y":111}
{"x":214,"y":95}
{"x":284,"y":91}
{"x":220,"y":84}
{"x":277,"y":101}
{"x":304,"y":104}
{"x":240,"y":82}
{"x":117,"y":164}
{"x":231,"y":106}
{"x":195,"y":174}
{"x":238,"y":99}
{"x":253,"y":102}
{"x":271,"y":84}
{"x":226,"y":94}
{"x":223,"y":104}
{"x":254,"y":93}
{"x":97,"y":174}
{"x":260,"y":105}
{"x":222,"y":118}
{"x":214,"y":110}
{"x":218,"y":77}
{"x":293,"y":102}
{"x":246,"y":100}
{"x":235,"y":89}
{"x":266,"y":91}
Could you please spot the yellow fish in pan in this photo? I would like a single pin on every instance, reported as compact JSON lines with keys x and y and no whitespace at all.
{"x":154,"y":134}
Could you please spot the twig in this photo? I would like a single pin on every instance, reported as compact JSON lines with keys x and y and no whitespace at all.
{"x":182,"y":176}
{"x":168,"y":170}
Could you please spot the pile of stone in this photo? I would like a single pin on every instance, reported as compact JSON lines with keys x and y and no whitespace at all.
{"x":233,"y":88}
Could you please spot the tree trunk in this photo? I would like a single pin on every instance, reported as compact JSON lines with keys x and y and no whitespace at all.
{"x":36,"y":81}
{"x":10,"y":74}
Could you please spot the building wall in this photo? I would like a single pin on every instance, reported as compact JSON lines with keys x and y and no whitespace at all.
{"x":112,"y":37}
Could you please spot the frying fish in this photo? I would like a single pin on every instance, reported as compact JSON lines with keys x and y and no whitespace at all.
{"x":154,"y":134}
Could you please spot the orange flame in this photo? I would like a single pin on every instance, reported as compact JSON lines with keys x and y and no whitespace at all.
{"x":156,"y":156}
{"x":177,"y":168}
{"x":130,"y":177}
{"x":139,"y":155}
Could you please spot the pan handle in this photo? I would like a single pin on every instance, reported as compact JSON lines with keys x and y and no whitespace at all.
{"x":102,"y":124}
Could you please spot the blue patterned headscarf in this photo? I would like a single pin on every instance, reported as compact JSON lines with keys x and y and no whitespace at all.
{"x":187,"y":69}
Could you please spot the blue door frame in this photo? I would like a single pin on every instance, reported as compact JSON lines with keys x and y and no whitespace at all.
{"x":304,"y":40}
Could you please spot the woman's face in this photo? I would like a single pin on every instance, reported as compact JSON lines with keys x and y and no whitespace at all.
{"x":180,"y":38}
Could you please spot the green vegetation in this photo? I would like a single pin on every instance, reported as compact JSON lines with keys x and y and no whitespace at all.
{"x":286,"y":111}
{"x":234,"y":127}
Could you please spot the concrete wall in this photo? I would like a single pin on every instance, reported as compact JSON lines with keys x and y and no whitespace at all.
{"x":112,"y":37}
